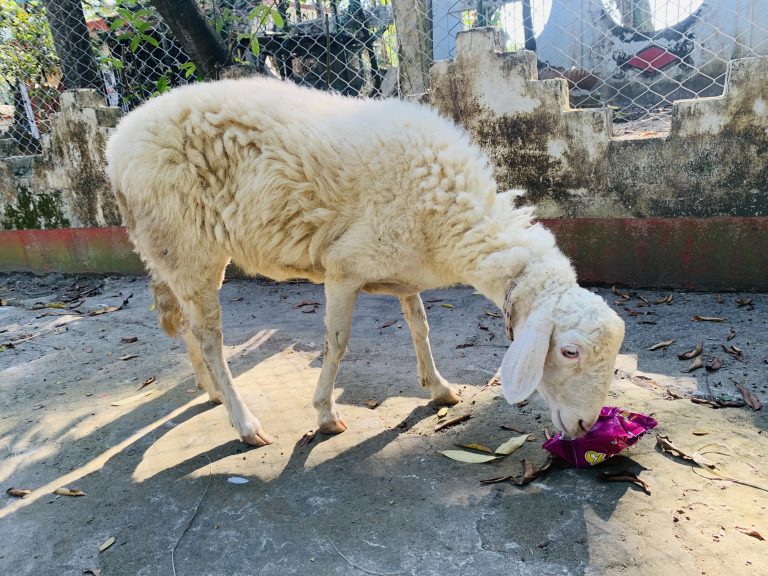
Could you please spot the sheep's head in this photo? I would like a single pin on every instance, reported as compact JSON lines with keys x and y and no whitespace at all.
{"x":566,"y":348}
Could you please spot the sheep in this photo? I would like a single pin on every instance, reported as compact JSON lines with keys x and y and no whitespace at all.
{"x":380,"y":196}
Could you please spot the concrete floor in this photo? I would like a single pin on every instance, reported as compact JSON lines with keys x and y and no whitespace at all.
{"x":379,"y":498}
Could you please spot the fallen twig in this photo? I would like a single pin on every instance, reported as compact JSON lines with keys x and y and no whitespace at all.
{"x":194,"y":514}
{"x":356,"y":565}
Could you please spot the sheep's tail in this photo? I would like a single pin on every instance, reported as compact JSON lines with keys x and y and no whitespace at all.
{"x":168,"y":309}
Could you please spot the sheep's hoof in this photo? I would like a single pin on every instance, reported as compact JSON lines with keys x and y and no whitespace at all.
{"x":258,"y":438}
{"x":215,"y":398}
{"x":447,"y":397}
{"x":333,"y":427}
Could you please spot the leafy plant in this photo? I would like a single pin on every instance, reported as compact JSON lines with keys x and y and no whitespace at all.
{"x":26,"y":50}
{"x":133,"y":26}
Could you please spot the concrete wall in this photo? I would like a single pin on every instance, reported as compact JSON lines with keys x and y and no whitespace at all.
{"x":713,"y":163}
{"x":66,"y":185}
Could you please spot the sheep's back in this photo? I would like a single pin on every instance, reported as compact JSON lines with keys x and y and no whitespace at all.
{"x":272,"y":174}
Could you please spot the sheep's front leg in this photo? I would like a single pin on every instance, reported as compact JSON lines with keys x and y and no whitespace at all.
{"x":340,"y":304}
{"x":204,"y":314}
{"x":442,"y":392}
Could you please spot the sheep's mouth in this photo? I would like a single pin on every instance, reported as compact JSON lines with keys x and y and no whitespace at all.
{"x":558,"y":421}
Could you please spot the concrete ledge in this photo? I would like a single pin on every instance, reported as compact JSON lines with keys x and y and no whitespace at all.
{"x":724,"y":253}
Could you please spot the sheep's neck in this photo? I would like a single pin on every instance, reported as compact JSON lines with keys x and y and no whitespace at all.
{"x":527,"y":258}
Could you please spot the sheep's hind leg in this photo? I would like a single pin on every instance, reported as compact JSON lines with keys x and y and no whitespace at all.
{"x":202,"y":374}
{"x":442,"y":392}
{"x":201,"y":308}
{"x":340,"y":304}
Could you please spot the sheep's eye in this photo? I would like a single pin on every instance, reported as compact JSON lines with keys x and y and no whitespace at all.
{"x":570,"y":352}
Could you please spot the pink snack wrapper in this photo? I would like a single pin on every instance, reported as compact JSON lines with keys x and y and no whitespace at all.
{"x":615,"y":430}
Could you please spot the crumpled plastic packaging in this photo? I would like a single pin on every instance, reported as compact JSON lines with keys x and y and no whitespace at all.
{"x":615,"y":430}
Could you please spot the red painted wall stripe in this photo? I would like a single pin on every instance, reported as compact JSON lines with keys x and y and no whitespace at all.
{"x":727,"y":253}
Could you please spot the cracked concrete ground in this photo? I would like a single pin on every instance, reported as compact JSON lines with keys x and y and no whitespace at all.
{"x":155,"y":464}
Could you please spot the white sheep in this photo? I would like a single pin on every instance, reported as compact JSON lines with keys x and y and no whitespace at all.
{"x":382,"y":196}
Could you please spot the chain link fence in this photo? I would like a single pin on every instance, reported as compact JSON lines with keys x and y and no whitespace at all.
{"x":636,"y":56}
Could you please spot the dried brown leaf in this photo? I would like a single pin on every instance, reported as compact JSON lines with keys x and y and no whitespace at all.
{"x":443,"y":412}
{"x":108,"y":309}
{"x":371,"y":404}
{"x":307,"y":303}
{"x":129,"y":339}
{"x":107,"y":543}
{"x":147,"y":382}
{"x":388,"y":323}
{"x":129,"y":357}
{"x":731,"y":334}
{"x":55,"y":305}
{"x":530,"y":473}
{"x":512,"y":429}
{"x":624,"y":476}
{"x":666,"y":445}
{"x":697,"y":363}
{"x":743,"y":302}
{"x":18,"y":492}
{"x":660,"y":345}
{"x":92,"y":571}
{"x":620,"y":294}
{"x":699,"y":432}
{"x":512,"y":444}
{"x":643,"y":301}
{"x":717,"y":402}
{"x":308,"y":310}
{"x":664,"y":299}
{"x":452,"y":421}
{"x":735,"y":352}
{"x":750,"y":398}
{"x":468,"y":457}
{"x":750,"y":532}
{"x":433,"y":300}
{"x":492,"y":314}
{"x":714,"y":365}
{"x":476,"y":446}
{"x":522,"y":404}
{"x":74,"y":492}
{"x":696,"y":351}
{"x":446,"y":305}
{"x":307,"y":438}
{"x":496,"y":480}
{"x":698,"y":318}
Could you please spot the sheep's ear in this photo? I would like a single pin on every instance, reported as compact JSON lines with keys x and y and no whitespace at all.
{"x":523,"y":365}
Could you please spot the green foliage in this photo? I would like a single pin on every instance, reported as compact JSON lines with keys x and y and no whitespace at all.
{"x":26,"y":47}
{"x":133,"y":24}
{"x":235,"y":28}
{"x":188,"y":68}
{"x":162,"y":84}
